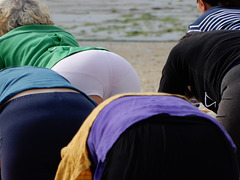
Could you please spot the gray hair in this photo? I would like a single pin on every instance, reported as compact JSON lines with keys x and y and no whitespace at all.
{"x":16,"y":13}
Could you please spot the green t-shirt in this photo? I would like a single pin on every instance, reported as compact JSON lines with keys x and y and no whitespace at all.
{"x":37,"y":45}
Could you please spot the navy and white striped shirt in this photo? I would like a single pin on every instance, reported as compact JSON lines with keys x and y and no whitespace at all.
{"x":217,"y":18}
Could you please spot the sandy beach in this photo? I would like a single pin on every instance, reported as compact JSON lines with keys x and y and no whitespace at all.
{"x":143,"y":32}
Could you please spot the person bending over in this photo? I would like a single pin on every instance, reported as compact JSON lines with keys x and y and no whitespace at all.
{"x":208,"y":63}
{"x":40,"y":112}
{"x":29,"y":37}
{"x":149,"y":136}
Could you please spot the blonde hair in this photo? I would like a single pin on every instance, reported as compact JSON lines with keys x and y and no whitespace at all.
{"x":15,"y":13}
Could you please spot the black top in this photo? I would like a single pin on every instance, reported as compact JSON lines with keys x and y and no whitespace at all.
{"x":201,"y":61}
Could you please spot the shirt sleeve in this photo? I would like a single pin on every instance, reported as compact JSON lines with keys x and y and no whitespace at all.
{"x":173,"y":78}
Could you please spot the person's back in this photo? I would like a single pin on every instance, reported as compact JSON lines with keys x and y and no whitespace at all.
{"x":206,"y":66}
{"x":18,"y":79}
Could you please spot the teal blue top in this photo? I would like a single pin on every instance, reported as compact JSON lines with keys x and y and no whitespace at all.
{"x":37,"y":45}
{"x":17,"y":79}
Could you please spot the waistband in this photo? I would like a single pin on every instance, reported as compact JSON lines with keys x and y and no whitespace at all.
{"x":41,"y":90}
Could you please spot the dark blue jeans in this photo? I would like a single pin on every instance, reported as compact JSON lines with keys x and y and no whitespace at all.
{"x":33,"y":130}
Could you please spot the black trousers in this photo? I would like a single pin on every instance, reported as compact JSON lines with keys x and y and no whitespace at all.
{"x":171,"y":148}
{"x":33,"y":130}
{"x":228,"y":113}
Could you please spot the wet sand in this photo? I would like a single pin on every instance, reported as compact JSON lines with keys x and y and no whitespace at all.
{"x":136,"y":20}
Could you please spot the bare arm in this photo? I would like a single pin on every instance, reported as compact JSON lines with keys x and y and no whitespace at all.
{"x":96,"y":98}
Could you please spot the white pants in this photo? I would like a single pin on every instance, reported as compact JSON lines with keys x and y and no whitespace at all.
{"x":99,"y":72}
